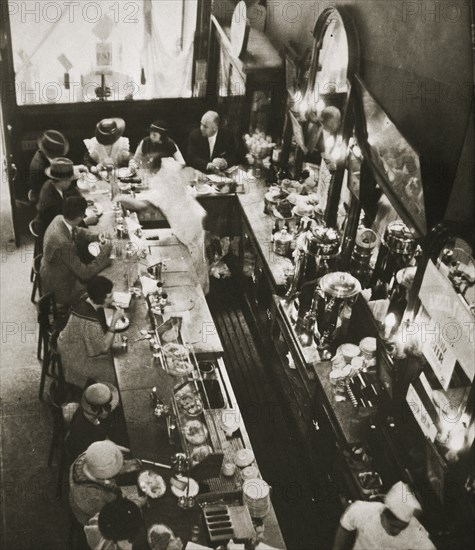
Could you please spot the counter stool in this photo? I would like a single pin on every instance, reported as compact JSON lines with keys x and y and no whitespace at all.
{"x":35,"y":228}
{"x":47,"y":316}
{"x":52,"y":365}
{"x":62,"y":413}
{"x":36,"y":278}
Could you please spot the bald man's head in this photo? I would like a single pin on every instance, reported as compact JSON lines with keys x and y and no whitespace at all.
{"x":209,"y":124}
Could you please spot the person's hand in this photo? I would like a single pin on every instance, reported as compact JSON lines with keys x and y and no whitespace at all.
{"x":116,"y":316}
{"x":211,"y":167}
{"x":106,"y":248}
{"x":220,"y":163}
{"x":91,"y":220}
{"x":81,"y":168}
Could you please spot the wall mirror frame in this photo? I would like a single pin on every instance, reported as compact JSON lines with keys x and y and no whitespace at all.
{"x":394,"y":162}
{"x":318,"y":116}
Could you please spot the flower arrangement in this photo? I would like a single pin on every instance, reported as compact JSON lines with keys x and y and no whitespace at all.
{"x":259,"y":146}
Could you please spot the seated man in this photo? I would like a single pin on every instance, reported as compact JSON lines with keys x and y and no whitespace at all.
{"x":58,"y":187}
{"x":211,"y":148}
{"x":86,"y":340}
{"x":51,"y":144}
{"x":62,"y":271}
{"x":94,"y":419}
{"x":108,"y":147}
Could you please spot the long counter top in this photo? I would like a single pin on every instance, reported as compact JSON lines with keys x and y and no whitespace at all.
{"x":136,"y":369}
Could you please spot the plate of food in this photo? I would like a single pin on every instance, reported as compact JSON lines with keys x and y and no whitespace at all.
{"x":94,"y":209}
{"x":122,"y":324}
{"x":178,"y":367}
{"x":182,"y":486}
{"x":198,"y":454}
{"x":195,"y":432}
{"x":178,"y":351}
{"x":190,"y":404}
{"x":152,"y":484}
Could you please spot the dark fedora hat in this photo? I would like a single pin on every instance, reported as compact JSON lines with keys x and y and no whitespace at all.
{"x":61,"y":169}
{"x":109,"y":130}
{"x":53,"y":144}
{"x":159,"y":126}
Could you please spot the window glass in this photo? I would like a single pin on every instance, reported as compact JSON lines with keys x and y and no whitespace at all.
{"x":85,"y":50}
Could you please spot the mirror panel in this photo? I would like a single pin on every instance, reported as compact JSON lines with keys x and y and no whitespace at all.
{"x":396,"y":165}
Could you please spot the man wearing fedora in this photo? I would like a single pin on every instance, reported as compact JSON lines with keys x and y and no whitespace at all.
{"x":62,"y":270}
{"x":51,"y":144}
{"x":109,"y":147}
{"x":55,"y":190}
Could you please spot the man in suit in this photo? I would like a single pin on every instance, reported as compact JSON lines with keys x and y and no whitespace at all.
{"x":211,"y":148}
{"x":62,"y":270}
{"x":56,"y":189}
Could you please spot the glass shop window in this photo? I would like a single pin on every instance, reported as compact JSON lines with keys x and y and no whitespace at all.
{"x":81,"y":51}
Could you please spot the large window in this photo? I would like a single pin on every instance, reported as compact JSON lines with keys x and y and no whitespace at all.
{"x":69,"y":51}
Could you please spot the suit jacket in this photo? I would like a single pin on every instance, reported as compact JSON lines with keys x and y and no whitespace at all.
{"x":62,"y":271}
{"x":50,"y":203}
{"x":36,"y":173}
{"x":198,"y":149}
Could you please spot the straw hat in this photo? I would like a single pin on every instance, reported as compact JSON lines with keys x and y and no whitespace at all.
{"x":103,"y":460}
{"x":97,"y":395}
{"x":109,"y":130}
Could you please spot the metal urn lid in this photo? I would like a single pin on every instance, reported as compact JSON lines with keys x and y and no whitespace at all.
{"x":323,"y":240}
{"x":399,"y":237}
{"x":340,"y":285}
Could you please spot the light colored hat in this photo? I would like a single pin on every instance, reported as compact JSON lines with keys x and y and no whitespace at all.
{"x":401,"y":502}
{"x":103,"y":460}
{"x":99,"y":394}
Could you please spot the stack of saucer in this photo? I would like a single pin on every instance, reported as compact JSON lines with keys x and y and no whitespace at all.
{"x":256,"y":496}
{"x":368,"y":350}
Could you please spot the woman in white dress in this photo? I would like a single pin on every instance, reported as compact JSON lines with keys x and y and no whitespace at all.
{"x":109,"y":147}
{"x":183,"y":212}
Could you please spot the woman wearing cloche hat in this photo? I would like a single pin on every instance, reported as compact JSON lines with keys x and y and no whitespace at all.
{"x":92,"y":478}
{"x":108,"y":146}
{"x":157,"y":143}
{"x":94,"y":419}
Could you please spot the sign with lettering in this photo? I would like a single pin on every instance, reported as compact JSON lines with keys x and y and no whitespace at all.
{"x":451,"y":321}
{"x":420,"y":413}
{"x":104,"y":54}
{"x":440,"y":357}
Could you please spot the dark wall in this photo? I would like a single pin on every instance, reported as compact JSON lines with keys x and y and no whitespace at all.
{"x":416,"y":59}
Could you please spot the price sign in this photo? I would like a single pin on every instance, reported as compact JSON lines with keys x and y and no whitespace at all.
{"x":420,"y":413}
{"x":104,"y":54}
{"x":440,"y":357}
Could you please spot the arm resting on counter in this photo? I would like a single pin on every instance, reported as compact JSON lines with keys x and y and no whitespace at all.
{"x":344,"y":539}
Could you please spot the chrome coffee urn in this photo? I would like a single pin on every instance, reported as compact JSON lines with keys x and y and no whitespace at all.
{"x":334,"y":299}
{"x":316,"y":254}
{"x":397,"y":251}
{"x":365,"y":242}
